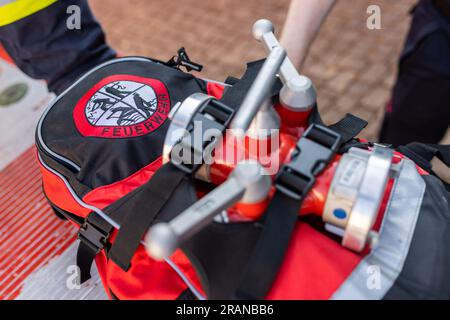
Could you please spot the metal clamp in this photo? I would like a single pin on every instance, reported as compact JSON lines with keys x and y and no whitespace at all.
{"x":313,"y":152}
{"x":371,"y":192}
{"x":200,"y":111}
{"x":248,"y":183}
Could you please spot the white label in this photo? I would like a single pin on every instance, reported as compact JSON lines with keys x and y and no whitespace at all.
{"x":352,"y":172}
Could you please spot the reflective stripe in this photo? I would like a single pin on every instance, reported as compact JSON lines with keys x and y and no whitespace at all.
{"x":4,"y":2}
{"x":395,"y":239}
{"x":11,"y":11}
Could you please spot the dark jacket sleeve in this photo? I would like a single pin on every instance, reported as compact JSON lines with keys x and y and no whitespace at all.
{"x":43,"y":47}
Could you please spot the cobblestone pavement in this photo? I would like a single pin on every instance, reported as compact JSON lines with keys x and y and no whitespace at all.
{"x":352,"y":67}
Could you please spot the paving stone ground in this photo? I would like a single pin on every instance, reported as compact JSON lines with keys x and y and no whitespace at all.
{"x":352,"y":67}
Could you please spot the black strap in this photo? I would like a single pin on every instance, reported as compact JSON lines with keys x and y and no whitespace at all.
{"x":422,"y":154}
{"x":94,"y":233}
{"x":234,"y":95}
{"x":270,"y":248}
{"x":443,"y":153}
{"x":349,"y":127}
{"x":141,"y":212}
{"x":314,"y":150}
{"x":85,"y":259}
{"x":93,"y":236}
{"x":419,"y":153}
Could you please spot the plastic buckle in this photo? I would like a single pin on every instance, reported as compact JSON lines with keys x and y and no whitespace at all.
{"x":182,"y":59}
{"x":214,"y":118}
{"x":219,"y":111}
{"x":95,"y":238}
{"x":312,"y":154}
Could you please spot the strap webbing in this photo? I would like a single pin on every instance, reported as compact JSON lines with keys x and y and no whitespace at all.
{"x":422,"y":154}
{"x":93,"y":236}
{"x":443,"y":153}
{"x":85,"y":258}
{"x":316,"y":148}
{"x":270,"y":249}
{"x":142,"y":210}
{"x":349,"y":127}
{"x":234,"y":95}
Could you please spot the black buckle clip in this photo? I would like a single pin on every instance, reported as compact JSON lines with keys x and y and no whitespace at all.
{"x":313,"y":153}
{"x":182,"y":59}
{"x":219,"y":111}
{"x":93,"y":237}
{"x":214,"y":117}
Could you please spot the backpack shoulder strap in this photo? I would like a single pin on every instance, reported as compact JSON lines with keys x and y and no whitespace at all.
{"x":316,"y":148}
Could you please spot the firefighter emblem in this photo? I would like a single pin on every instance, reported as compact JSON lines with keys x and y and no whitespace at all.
{"x":122,"y":106}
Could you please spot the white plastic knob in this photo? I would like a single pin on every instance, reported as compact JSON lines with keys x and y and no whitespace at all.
{"x":161,"y":241}
{"x":261,"y":27}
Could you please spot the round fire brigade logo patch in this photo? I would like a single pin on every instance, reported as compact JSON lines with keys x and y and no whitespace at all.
{"x":122,"y":106}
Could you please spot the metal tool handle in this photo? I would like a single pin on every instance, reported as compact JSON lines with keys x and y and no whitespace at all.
{"x":248,"y":182}
{"x":263,"y":31}
{"x":298,"y":92}
{"x":258,"y":92}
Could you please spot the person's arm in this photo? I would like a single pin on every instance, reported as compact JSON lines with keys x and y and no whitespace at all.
{"x":303,"y":22}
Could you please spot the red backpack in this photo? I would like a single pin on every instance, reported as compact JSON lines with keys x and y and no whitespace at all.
{"x":100,"y":147}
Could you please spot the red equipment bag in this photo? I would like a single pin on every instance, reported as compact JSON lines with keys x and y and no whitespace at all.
{"x":100,"y":140}
{"x":100,"y":144}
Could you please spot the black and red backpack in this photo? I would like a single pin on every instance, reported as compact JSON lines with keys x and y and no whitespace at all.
{"x":101,"y":140}
{"x":100,"y":146}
